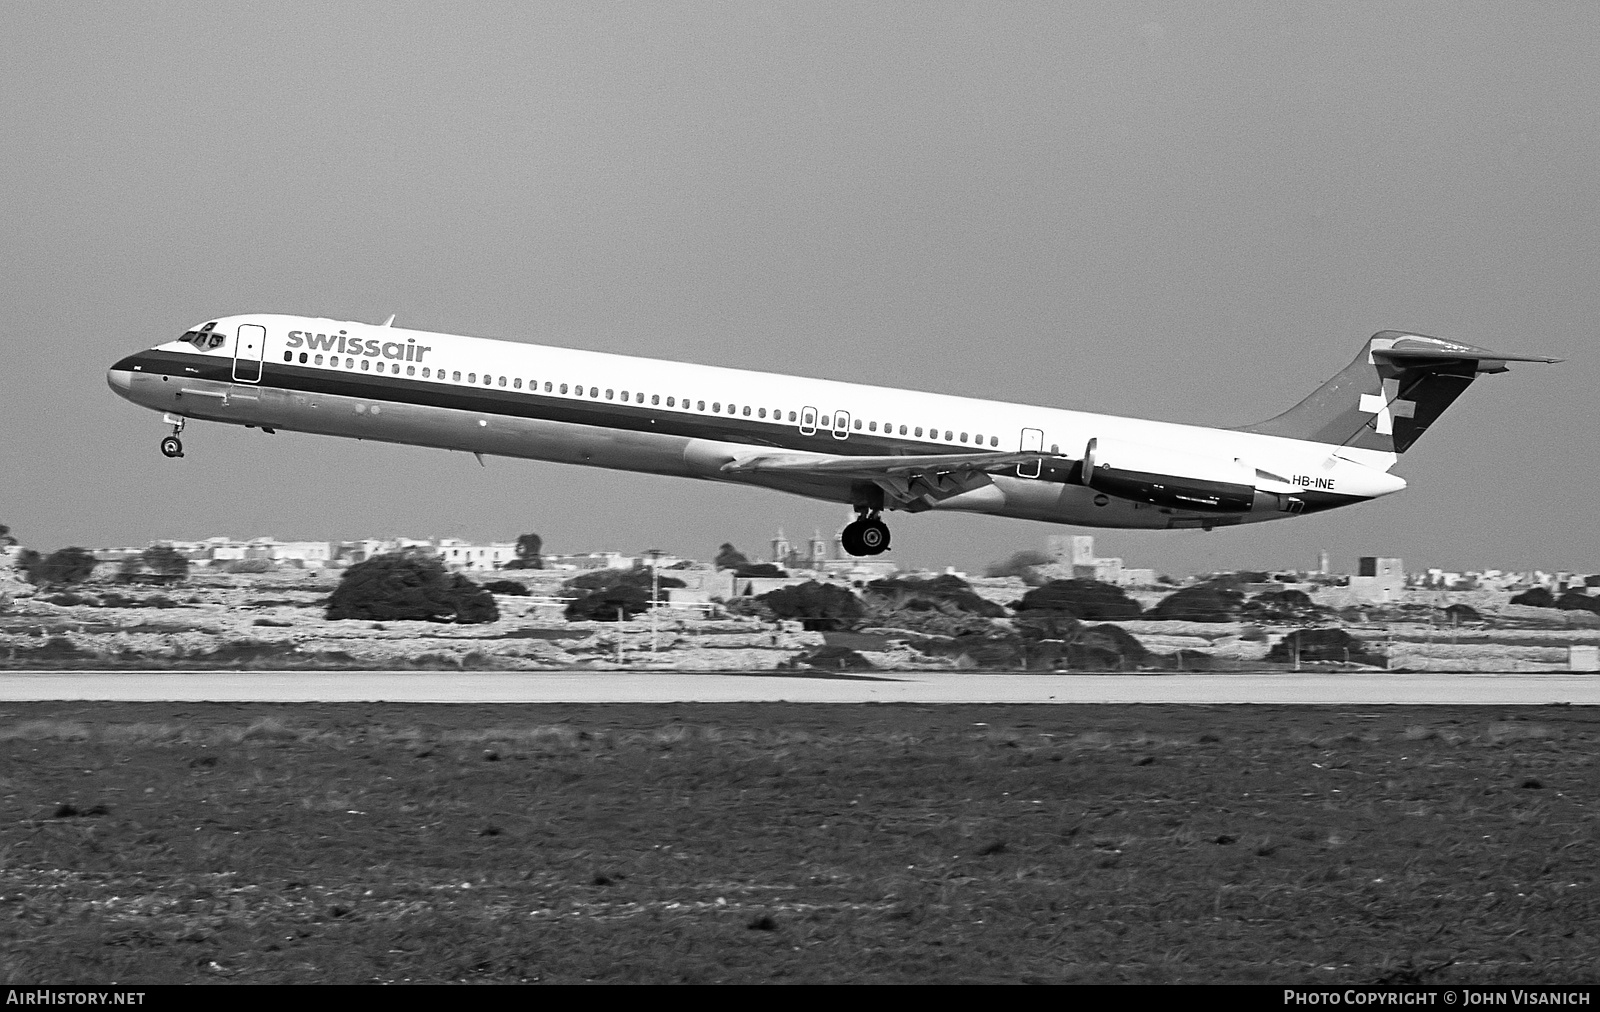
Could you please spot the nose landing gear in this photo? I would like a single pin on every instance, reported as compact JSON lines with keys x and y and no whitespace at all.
{"x":868,"y":535}
{"x":172,"y":446}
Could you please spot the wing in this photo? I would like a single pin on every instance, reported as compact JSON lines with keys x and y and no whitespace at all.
{"x":913,"y":482}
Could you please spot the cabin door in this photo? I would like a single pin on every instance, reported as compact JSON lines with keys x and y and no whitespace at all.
{"x":248,"y":350}
{"x":1032,"y":439}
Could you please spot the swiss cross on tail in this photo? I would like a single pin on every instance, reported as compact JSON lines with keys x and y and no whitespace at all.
{"x":1387,"y":406}
{"x":1386,"y":399}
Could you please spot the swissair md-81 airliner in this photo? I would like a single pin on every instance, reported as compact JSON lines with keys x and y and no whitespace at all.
{"x":874,"y":448}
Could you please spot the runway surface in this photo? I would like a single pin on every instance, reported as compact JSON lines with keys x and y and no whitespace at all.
{"x":896,"y":687}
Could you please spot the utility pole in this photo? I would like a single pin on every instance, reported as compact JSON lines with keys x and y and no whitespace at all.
{"x":655,"y":593}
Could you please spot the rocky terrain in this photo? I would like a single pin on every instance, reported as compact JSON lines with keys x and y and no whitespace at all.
{"x":277,"y":620}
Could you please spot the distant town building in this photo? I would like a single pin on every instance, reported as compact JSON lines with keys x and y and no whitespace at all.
{"x":815,"y":555}
{"x":1378,"y":579}
{"x":590,"y":560}
{"x":1074,"y":554}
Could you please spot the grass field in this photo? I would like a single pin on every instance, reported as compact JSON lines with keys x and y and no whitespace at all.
{"x":744,"y":843}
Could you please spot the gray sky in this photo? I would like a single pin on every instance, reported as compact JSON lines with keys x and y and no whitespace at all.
{"x":1194,"y":212}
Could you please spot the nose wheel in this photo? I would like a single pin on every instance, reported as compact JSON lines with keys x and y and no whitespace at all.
{"x":172,"y":446}
{"x":866,"y":536}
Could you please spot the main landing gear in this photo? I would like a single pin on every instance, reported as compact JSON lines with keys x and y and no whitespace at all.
{"x":172,"y":446}
{"x":868,"y":535}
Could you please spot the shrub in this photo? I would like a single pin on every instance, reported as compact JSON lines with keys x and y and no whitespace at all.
{"x":819,"y":606}
{"x":1204,"y":602}
{"x":949,"y":594}
{"x":409,"y":585}
{"x":603,"y":605}
{"x":830,"y":659}
{"x":1105,"y":648}
{"x":1086,"y":599}
{"x":1323,"y":645}
{"x":156,"y":564}
{"x":529,"y":547}
{"x":729,"y":557}
{"x":1018,"y":564}
{"x":63,"y":568}
{"x":1574,"y":601}
{"x":1282,"y":605}
{"x":604,"y":579}
{"x":1536,"y":597}
{"x":510,"y":588}
{"x":760,"y":570}
{"x":602,"y":591}
{"x":1462,"y":613}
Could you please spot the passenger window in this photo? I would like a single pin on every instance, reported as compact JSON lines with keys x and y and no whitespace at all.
{"x":456,"y":376}
{"x":760,"y":414}
{"x":288,"y":356}
{"x":563,"y":388}
{"x":516,"y":384}
{"x":716,"y":406}
{"x":503,"y":381}
{"x":364,"y":365}
{"x":792,"y":416}
{"x":947,"y":437}
{"x":824,"y":423}
{"x":994,"y":440}
{"x":303,"y":358}
{"x":902,"y":430}
{"x":610,"y":394}
{"x":319,"y":360}
{"x":638,"y":398}
{"x":670,"y":402}
{"x":917,"y":432}
{"x":747,"y":411}
{"x":547,"y":387}
{"x":701,"y":407}
{"x":871,"y":426}
{"x":656,"y":398}
{"x":411,"y":370}
{"x":963,"y":437}
{"x":624,"y":395}
{"x":594,"y":391}
{"x":489,"y":380}
{"x":858,"y":425}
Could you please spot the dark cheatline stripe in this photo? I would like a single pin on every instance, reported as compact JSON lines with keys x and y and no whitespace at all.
{"x":548,"y":407}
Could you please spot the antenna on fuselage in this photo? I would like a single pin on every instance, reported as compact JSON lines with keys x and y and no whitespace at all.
{"x":389,"y":322}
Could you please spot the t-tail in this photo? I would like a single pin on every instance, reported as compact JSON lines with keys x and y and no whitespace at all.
{"x":1386,"y":399}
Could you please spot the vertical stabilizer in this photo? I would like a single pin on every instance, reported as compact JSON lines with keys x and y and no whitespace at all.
{"x":1390,"y":394}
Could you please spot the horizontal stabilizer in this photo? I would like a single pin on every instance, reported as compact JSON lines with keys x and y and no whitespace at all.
{"x":1419,"y":349}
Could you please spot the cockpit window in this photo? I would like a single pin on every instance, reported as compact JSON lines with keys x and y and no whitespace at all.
{"x":204,"y":338}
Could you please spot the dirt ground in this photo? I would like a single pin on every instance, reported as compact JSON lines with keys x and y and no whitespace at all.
{"x":784,"y":842}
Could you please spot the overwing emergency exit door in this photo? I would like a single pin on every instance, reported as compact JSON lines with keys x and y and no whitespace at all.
{"x":248,"y":349}
{"x":1032,"y":439}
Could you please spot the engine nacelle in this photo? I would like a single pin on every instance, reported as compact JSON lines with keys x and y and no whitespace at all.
{"x":1171,"y":478}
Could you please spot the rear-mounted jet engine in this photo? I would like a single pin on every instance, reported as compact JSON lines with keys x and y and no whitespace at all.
{"x":1169,"y":478}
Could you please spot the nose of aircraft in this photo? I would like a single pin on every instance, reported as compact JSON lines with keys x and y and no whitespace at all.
{"x":120,"y":380}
